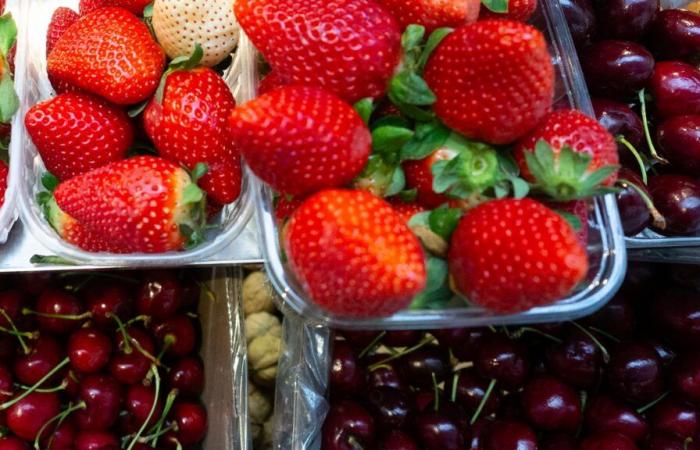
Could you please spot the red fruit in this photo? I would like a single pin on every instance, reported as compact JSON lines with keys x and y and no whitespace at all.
{"x":419,"y":176}
{"x":494,"y":80}
{"x":406,"y":209}
{"x":89,"y":350}
{"x":111,"y":53}
{"x":433,"y":14}
{"x":141,"y":203}
{"x":139,"y":401}
{"x":61,"y":19}
{"x":4,"y":173}
{"x":13,"y":443}
{"x":75,"y":133}
{"x":285,"y":206}
{"x":188,"y":126}
{"x":57,"y":302}
{"x":520,"y":10}
{"x":350,"y":47}
{"x":44,"y":356}
{"x":607,"y":441}
{"x":675,"y":87}
{"x":353,"y":254}
{"x":26,"y":417}
{"x":191,"y":421}
{"x":300,"y":139}
{"x":511,"y":255}
{"x":134,"y":6}
{"x":270,"y":82}
{"x":96,"y":440}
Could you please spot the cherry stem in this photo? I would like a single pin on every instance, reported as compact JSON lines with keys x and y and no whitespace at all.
{"x":453,"y":393}
{"x":14,"y":331}
{"x":603,"y":350}
{"x":584,"y":403}
{"x":145,"y":353}
{"x":354,"y":444}
{"x":687,"y":442}
{"x":36,"y":385}
{"x":169,"y":401}
{"x":436,"y":388}
{"x":156,"y":376}
{"x":145,"y":439}
{"x":85,"y":315}
{"x":659,"y":220}
{"x":167,"y":342}
{"x":400,"y":354}
{"x":372,"y":344}
{"x":60,"y":387}
{"x":652,"y":403}
{"x":628,"y":145}
{"x":484,"y":399}
{"x":60,"y":418}
{"x":647,"y":134}
{"x":122,"y":329}
{"x":380,"y":366}
{"x":605,"y":334}
{"x":142,"y":318}
{"x":522,"y":330}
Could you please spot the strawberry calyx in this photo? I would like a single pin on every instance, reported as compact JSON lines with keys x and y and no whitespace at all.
{"x":497,"y":6}
{"x":9,"y":102}
{"x":566,"y":176}
{"x":195,"y":223}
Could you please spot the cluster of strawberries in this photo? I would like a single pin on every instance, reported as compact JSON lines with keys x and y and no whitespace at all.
{"x":444,"y":177}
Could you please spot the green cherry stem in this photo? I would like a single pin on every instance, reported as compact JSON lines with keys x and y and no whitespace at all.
{"x":15,"y":332}
{"x":422,"y":343}
{"x":453,"y":393}
{"x":60,"y":418}
{"x":156,"y":430}
{"x":647,"y":134}
{"x":60,"y":387}
{"x":652,"y":403}
{"x":603,"y":350}
{"x":628,"y":145}
{"x":83,"y":316}
{"x":156,"y":376}
{"x":659,"y":220}
{"x":482,"y":403}
{"x":36,"y":385}
{"x":122,"y":329}
{"x":605,"y":334}
{"x":372,"y":344}
{"x":436,"y":388}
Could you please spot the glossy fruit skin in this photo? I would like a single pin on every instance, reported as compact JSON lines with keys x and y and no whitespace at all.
{"x":61,"y":19}
{"x":139,"y":401}
{"x":359,"y":41}
{"x":634,"y":373}
{"x":397,"y":440}
{"x":679,"y":140}
{"x":675,"y":88}
{"x":617,"y":69}
{"x":44,"y":355}
{"x":620,"y":120}
{"x":504,"y":360}
{"x":432,"y":14}
{"x":346,"y":374}
{"x":437,"y":431}
{"x":470,"y":391}
{"x":61,"y":437}
{"x":57,"y":301}
{"x":11,"y":304}
{"x":677,"y":198}
{"x":419,"y":176}
{"x":463,"y":342}
{"x":418,"y":367}
{"x":180,"y":330}
{"x":102,"y":396}
{"x":581,"y":18}
{"x":89,"y":350}
{"x":391,"y":408}
{"x":607,"y":441}
{"x":604,"y":414}
{"x":634,"y":213}
{"x":626,"y":19}
{"x":475,"y":102}
{"x":187,"y":376}
{"x":388,"y":375}
{"x":107,"y":299}
{"x":676,"y":34}
{"x":685,"y":377}
{"x":677,"y":315}
{"x":577,"y":360}
{"x":676,"y":417}
{"x":12,"y":443}
{"x":26,"y":417}
{"x":96,"y":440}
{"x":551,"y":405}
{"x":347,"y":419}
{"x":159,"y":295}
{"x":509,"y":435}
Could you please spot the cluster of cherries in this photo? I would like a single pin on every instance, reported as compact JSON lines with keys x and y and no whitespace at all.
{"x":639,"y":65}
{"x":625,"y":378}
{"x":100,"y":362}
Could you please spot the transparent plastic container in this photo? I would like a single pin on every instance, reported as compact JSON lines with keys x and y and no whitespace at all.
{"x":34,"y":86}
{"x":606,"y":248}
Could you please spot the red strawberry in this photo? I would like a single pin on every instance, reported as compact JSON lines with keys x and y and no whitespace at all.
{"x":146,"y":203}
{"x":301,"y":139}
{"x":285,"y":206}
{"x":134,"y":6}
{"x":520,"y":10}
{"x":188,"y":126}
{"x":405,"y":209}
{"x":565,"y":178}
{"x":4,"y":173}
{"x":61,"y":19}
{"x":75,"y":133}
{"x":270,"y":82}
{"x":353,"y":254}
{"x":350,"y":47}
{"x":494,"y":80}
{"x":578,"y":211}
{"x":433,"y":14}
{"x":111,"y":53}
{"x":511,"y":255}
{"x":419,"y":176}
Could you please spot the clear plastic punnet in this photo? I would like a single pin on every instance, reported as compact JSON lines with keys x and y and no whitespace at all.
{"x":33,"y":86}
{"x":606,"y":247}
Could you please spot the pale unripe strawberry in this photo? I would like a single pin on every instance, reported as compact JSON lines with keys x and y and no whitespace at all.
{"x":179,"y":24}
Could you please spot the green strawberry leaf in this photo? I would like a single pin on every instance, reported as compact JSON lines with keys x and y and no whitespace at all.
{"x":9,"y":102}
{"x":184,"y":62}
{"x":520,"y":187}
{"x":8,"y":34}
{"x":443,"y":221}
{"x":411,"y":41}
{"x":508,"y":165}
{"x":428,"y":138}
{"x":437,"y":293}
{"x":398,"y":182}
{"x":408,"y":195}
{"x":388,"y":140}
{"x":394,"y":121}
{"x":200,"y":169}
{"x":497,"y":6}
{"x":409,"y":88}
{"x":192,"y":194}
{"x":43,"y":198}
{"x":436,"y":37}
{"x":421,"y":219}
{"x":436,"y":271}
{"x":475,"y":169}
{"x":49,"y":181}
{"x":573,"y":219}
{"x":439,"y":299}
{"x":52,"y":260}
{"x":412,"y":111}
{"x":376,"y":177}
{"x":364,"y":108}
{"x":148,"y":11}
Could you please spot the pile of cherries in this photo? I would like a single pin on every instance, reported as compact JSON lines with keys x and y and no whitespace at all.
{"x":640,"y":66}
{"x":100,"y":362}
{"x":625,"y":378}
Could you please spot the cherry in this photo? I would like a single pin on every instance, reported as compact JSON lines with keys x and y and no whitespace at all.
{"x":437,"y":431}
{"x":106,"y":299}
{"x":607,"y":441}
{"x":626,"y":19}
{"x":558,"y":441}
{"x":11,"y":306}
{"x":129,"y":365}
{"x":176,"y":335}
{"x":191,"y":419}
{"x":551,"y":405}
{"x":26,"y":417}
{"x":139,"y":401}
{"x":384,"y":374}
{"x":634,"y":372}
{"x":679,"y":140}
{"x":476,"y":433}
{"x":605,"y":414}
{"x":676,"y":417}
{"x":359,"y":339}
{"x":618,"y":318}
{"x":634,"y":210}
{"x":622,"y":122}
{"x":402,"y":338}
{"x":397,"y":440}
{"x":96,"y":440}
{"x":12,"y":443}
{"x":6,"y":384}
{"x":581,"y":19}
{"x":390,"y":407}
{"x":664,"y":441}
{"x":160,"y":295}
{"x":462,"y":341}
{"x":45,"y":354}
{"x":421,"y":366}
{"x":502,"y":359}
{"x":187,"y":376}
{"x":33,"y":282}
{"x":577,"y":360}
{"x":675,"y":87}
{"x":346,"y":374}
{"x":676,"y":313}
{"x":7,"y":347}
{"x":509,"y":435}
{"x":617,"y":69}
{"x":470,"y":391}
{"x":61,"y":437}
{"x":89,"y":350}
{"x":678,"y":199}
{"x":685,"y":377}
{"x":347,"y":426}
{"x":57,"y":302}
{"x":665,"y":354}
{"x":676,"y":34}
{"x":102,"y":397}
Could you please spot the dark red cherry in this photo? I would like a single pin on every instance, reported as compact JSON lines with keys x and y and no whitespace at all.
{"x":470,"y":391}
{"x":551,"y":405}
{"x":676,"y":314}
{"x":44,"y":355}
{"x":390,"y":407}
{"x":102,"y":397}
{"x":618,"y":317}
{"x":402,"y":338}
{"x":419,"y":366}
{"x":664,"y":441}
{"x":677,"y":198}
{"x":106,"y":299}
{"x":54,"y":301}
{"x":675,"y":87}
{"x":576,"y":360}
{"x":139,"y":401}
{"x":685,"y":376}
{"x":674,"y":416}
{"x":476,"y":433}
{"x":187,"y":376}
{"x":383,"y":373}
{"x":128,"y":364}
{"x":634,"y":211}
{"x":12,"y":443}
{"x":359,"y":339}
{"x":89,"y":350}
{"x":580,"y":16}
{"x":679,"y":141}
{"x":617,"y":69}
{"x":347,"y":425}
{"x":61,"y":437}
{"x":11,"y":306}
{"x":438,"y":431}
{"x":558,"y":441}
{"x":177,"y":334}
{"x":605,"y":414}
{"x":607,"y":441}
{"x":160,"y":295}
{"x":626,"y":19}
{"x":6,"y":383}
{"x":502,"y":359}
{"x":346,"y":375}
{"x":397,"y":440}
{"x":96,"y":440}
{"x":634,"y":372}
{"x":509,"y":435}
{"x":621,"y":121}
{"x":462,"y":341}
{"x":26,"y":417}
{"x":675,"y":34}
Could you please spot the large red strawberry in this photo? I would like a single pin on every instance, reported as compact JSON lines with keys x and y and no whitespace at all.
{"x":301,"y":139}
{"x":75,"y":133}
{"x":511,"y":255}
{"x":188,"y":125}
{"x":419,"y":176}
{"x":520,"y":10}
{"x":146,"y":203}
{"x":270,"y":82}
{"x":405,"y":209}
{"x":350,"y":47}
{"x":433,"y":14}
{"x":353,"y":254}
{"x":111,"y":53}
{"x":568,"y":176}
{"x":494,"y":80}
{"x":134,"y":6}
{"x":61,"y":19}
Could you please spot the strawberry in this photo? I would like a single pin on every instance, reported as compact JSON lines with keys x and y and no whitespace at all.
{"x":405,"y":209}
{"x":111,"y":53}
{"x":520,"y":10}
{"x":511,"y":255}
{"x":494,"y":80}
{"x":61,"y":19}
{"x":353,"y":254}
{"x":300,"y":139}
{"x":270,"y":82}
{"x":180,"y":24}
{"x":134,"y":6}
{"x":187,"y":124}
{"x":350,"y":47}
{"x":4,"y":173}
{"x":147,"y":204}
{"x":569,"y":155}
{"x":433,"y":14}
{"x":75,"y":133}
{"x":576,"y":212}
{"x":285,"y":206}
{"x":419,"y":176}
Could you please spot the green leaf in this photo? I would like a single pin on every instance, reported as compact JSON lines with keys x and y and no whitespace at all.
{"x":8,"y":34}
{"x":410,"y":89}
{"x":443,"y":221}
{"x":200,"y":169}
{"x":421,"y":219}
{"x":520,"y":187}
{"x":183,"y":62}
{"x":364,"y":108}
{"x":43,"y":197}
{"x":445,"y":174}
{"x":497,"y":6}
{"x":398,"y":182}
{"x":439,"y":299}
{"x":599,"y":176}
{"x":501,"y":189}
{"x":508,"y":164}
{"x":408,"y":195}
{"x":138,"y":109}
{"x":52,"y":260}
{"x":192,"y":194}
{"x":545,"y":155}
{"x":412,"y":111}
{"x":436,"y":271}
{"x":376,"y":177}
{"x":49,"y":181}
{"x":428,"y":138}
{"x":387,"y":141}
{"x":394,"y":121}
{"x":413,"y":36}
{"x":9,"y":102}
{"x":573,"y":219}
{"x":148,"y":11}
{"x":436,"y":37}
